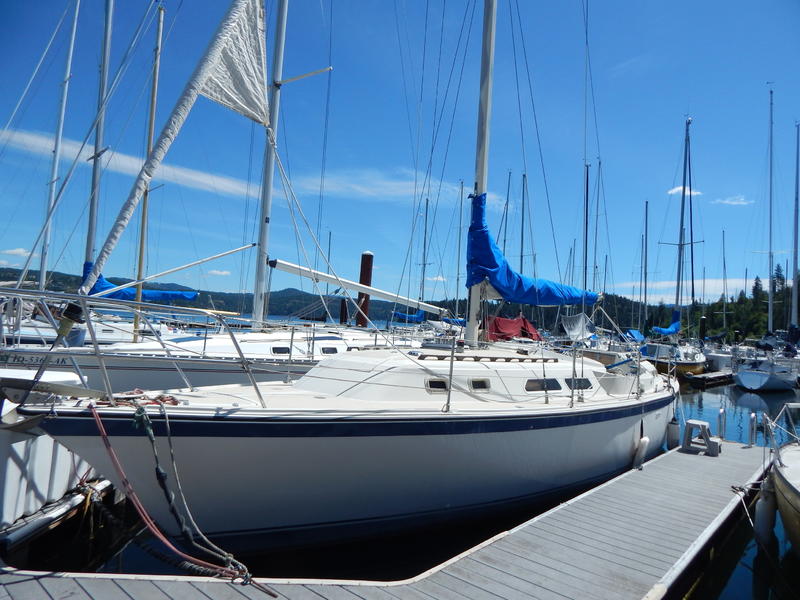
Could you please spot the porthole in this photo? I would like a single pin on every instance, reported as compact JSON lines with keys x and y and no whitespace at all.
{"x":542,"y":385}
{"x":280,"y":350}
{"x":480,"y":385}
{"x":436,"y":386}
{"x":578,"y":383}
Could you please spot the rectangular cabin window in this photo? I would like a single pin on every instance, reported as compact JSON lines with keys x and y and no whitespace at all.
{"x":280,"y":350}
{"x":329,"y":350}
{"x":578,"y":383}
{"x":479,"y":385}
{"x":436,"y":386}
{"x":542,"y":385}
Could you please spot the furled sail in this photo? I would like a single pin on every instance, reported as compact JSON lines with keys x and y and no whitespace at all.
{"x":225,"y":75}
{"x":486,"y":262}
{"x":161,"y":296}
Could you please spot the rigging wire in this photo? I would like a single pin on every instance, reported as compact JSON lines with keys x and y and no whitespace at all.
{"x":32,"y":77}
{"x":468,"y":12}
{"x":112,"y":88}
{"x":325,"y":133}
{"x":539,"y":142}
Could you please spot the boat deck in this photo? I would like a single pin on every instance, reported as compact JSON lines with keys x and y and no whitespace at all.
{"x":632,"y":537}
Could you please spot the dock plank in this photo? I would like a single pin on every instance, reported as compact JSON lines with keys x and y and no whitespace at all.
{"x":375,"y":592}
{"x":28,"y":588}
{"x":549,"y":573}
{"x":140,"y":588}
{"x":622,"y":533}
{"x":63,"y":588}
{"x":471,"y":588}
{"x":107,"y":589}
{"x":332,"y":592}
{"x":295,"y":592}
{"x":502,"y":583}
{"x":604,"y":517}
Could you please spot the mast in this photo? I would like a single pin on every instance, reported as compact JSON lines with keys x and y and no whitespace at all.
{"x":482,"y":145}
{"x":724,"y":285}
{"x":458,"y":259}
{"x":793,"y":316}
{"x":260,"y":302}
{"x":94,"y":198}
{"x":681,"y":230}
{"x":424,"y":253}
{"x":146,"y":193}
{"x":771,"y":274}
{"x":646,"y":210}
{"x":522,"y":225}
{"x":62,"y":108}
{"x":505,"y":212}
{"x":585,"y":228}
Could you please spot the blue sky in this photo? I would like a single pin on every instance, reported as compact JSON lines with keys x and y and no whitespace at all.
{"x":652,"y":64}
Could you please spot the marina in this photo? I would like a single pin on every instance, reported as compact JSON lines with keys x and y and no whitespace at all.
{"x":489,"y":417}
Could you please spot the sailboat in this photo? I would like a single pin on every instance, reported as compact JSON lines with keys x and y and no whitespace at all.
{"x":682,"y":356}
{"x":371,"y":441}
{"x":773,"y":372}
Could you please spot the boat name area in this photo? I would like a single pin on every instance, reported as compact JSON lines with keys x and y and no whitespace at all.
{"x":22,"y":359}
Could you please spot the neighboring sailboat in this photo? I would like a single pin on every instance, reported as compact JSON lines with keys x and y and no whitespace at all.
{"x":434,"y":434}
{"x":682,"y":357}
{"x":774,"y":372}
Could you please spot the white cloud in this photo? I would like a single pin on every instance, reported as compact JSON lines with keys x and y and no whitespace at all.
{"x":664,"y":291}
{"x":39,"y":143}
{"x":218,"y":272}
{"x":436,"y":278}
{"x":393,"y":185}
{"x":16,"y":252}
{"x":679,"y":189}
{"x":738,"y":200}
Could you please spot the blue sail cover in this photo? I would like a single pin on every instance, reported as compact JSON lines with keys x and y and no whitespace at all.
{"x":460,"y":322}
{"x":419,"y":317}
{"x":672,"y":329}
{"x":160,"y":296}
{"x":486,"y":261}
{"x":635,"y":335}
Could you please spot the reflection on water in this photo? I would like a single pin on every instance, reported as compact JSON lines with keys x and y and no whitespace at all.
{"x":743,"y":570}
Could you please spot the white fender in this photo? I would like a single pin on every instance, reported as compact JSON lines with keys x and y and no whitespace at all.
{"x":641,"y":452}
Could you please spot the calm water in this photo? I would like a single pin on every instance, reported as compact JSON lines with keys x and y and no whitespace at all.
{"x":739,"y":571}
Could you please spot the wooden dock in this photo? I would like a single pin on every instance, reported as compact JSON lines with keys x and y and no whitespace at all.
{"x":710,"y":379}
{"x":640,"y":535}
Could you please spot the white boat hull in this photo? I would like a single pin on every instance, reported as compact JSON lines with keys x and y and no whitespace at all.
{"x":758,"y":380}
{"x":130,"y":371}
{"x":786,"y":478}
{"x":326,"y":478}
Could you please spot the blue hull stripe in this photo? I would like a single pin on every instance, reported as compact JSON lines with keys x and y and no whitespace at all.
{"x":231,"y":426}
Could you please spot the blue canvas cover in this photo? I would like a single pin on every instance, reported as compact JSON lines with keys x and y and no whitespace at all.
{"x":672,"y":329}
{"x":418,"y":317}
{"x":460,"y":322}
{"x":159,"y":296}
{"x":486,"y":261}
{"x":635,"y":335}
